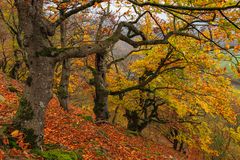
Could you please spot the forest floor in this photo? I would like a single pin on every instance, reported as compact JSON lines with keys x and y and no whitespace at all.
{"x":75,"y":130}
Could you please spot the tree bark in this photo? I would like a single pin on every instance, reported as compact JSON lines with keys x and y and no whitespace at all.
{"x":3,"y":61}
{"x":62,"y":93}
{"x":38,"y":92}
{"x":14,"y":71}
{"x":41,"y":59}
{"x":38,"y":89}
{"x":115,"y":115}
{"x":101,"y":92}
{"x":134,"y":122}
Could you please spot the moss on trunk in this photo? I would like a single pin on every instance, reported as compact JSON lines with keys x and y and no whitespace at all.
{"x":50,"y":52}
{"x":25,"y":111}
{"x":62,"y":93}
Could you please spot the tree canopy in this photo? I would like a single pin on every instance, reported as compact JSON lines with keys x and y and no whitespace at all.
{"x":139,"y":63}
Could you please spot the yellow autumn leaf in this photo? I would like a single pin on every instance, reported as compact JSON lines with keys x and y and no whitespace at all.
{"x":15,"y":133}
{"x":220,"y":56}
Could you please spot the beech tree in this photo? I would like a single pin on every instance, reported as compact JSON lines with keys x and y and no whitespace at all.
{"x":63,"y":95}
{"x":184,"y":94}
{"x":42,"y":57}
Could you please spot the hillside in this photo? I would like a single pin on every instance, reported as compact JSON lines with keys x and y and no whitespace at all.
{"x":76,"y":131}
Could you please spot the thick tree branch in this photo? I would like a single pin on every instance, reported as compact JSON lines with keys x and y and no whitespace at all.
{"x":102,"y":46}
{"x":136,"y":44}
{"x":76,"y":52}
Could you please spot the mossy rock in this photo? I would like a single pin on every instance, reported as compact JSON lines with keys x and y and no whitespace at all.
{"x":59,"y":154}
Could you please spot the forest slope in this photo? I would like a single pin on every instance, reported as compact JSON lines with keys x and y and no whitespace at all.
{"x":75,"y":130}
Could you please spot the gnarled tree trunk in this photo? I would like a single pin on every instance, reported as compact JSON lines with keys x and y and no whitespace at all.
{"x":42,"y":58}
{"x":38,"y":92}
{"x":62,"y":93}
{"x":134,"y":121}
{"x":101,"y":97}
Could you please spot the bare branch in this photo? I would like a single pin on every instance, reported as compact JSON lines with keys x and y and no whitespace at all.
{"x":211,"y":40}
{"x":229,"y":20}
{"x":153,"y":75}
{"x":167,"y":6}
{"x":126,"y":56}
{"x":75,"y":10}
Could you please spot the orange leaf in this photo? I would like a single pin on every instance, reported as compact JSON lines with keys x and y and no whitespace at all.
{"x":14,"y":152}
{"x":1,"y":154}
{"x":5,"y":141}
{"x":15,"y":133}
